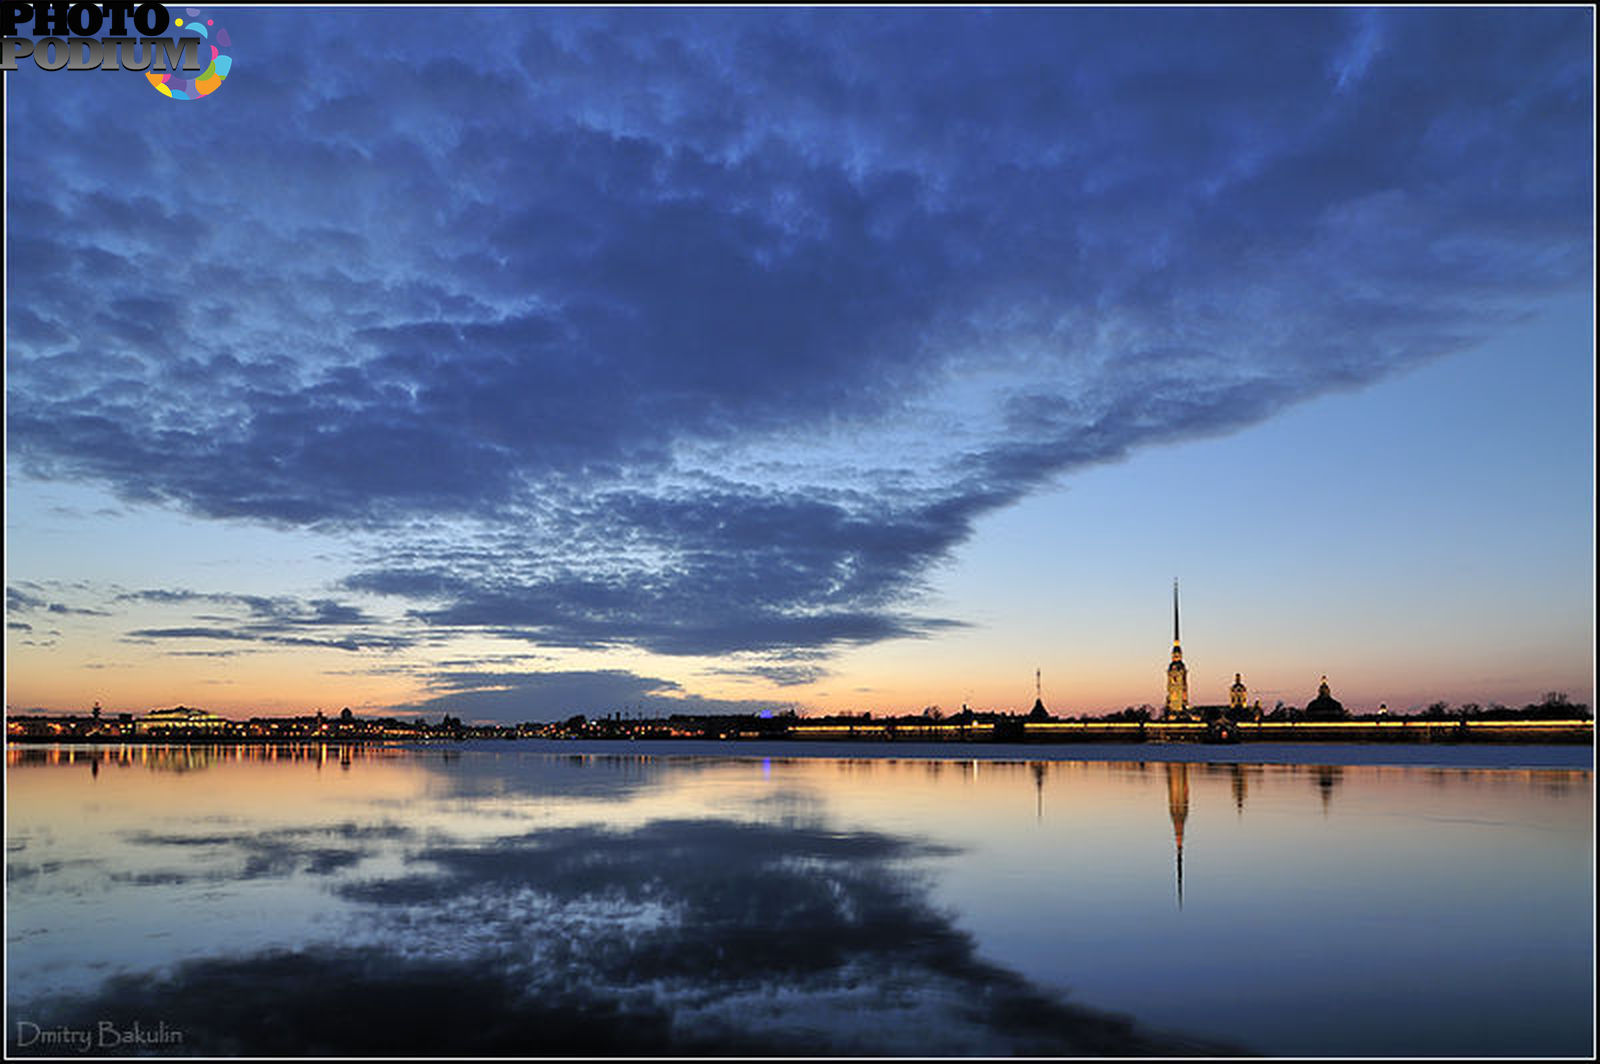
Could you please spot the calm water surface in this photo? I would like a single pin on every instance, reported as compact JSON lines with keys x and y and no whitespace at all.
{"x":525,"y":899}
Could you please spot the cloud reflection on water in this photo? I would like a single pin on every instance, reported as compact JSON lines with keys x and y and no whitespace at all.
{"x":688,"y":936}
{"x":625,"y":904}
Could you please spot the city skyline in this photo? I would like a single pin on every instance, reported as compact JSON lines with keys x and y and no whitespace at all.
{"x":855,"y":360}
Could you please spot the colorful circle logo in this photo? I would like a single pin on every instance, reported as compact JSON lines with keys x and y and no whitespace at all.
{"x":172,"y":82}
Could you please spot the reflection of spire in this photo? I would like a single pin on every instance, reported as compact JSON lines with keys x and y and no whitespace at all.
{"x":1241,"y":787}
{"x":1178,"y":806}
{"x":1328,"y":777}
{"x":1038,"y":786}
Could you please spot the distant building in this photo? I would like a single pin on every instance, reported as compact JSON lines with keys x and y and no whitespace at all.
{"x":1237,"y":694}
{"x":1038,"y":712}
{"x":1177,"y":675}
{"x":1325,"y":706}
{"x":180,"y":718}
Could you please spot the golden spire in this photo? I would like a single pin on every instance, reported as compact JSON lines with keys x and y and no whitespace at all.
{"x":1174,"y":611}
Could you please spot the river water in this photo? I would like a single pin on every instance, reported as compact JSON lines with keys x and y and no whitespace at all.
{"x":624,"y":899}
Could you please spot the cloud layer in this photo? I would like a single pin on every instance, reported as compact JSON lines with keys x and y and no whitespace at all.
{"x":710,"y":332}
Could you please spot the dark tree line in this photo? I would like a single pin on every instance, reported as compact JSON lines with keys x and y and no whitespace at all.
{"x":1554,"y":706}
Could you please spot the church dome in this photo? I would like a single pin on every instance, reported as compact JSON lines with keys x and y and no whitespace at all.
{"x":1325,"y":706}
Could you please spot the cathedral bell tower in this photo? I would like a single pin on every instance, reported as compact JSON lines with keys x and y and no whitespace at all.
{"x":1237,"y":694}
{"x":1177,"y":675}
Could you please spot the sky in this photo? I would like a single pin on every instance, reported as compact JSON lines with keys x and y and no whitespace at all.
{"x":516,"y":363}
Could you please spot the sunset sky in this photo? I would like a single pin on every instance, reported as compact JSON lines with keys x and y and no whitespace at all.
{"x":523,"y":362}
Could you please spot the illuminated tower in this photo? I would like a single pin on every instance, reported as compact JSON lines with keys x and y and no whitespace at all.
{"x":1177,"y":675}
{"x":1236,"y":695}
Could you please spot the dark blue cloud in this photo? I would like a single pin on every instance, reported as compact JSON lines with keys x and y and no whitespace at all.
{"x":354,"y":641}
{"x":267,"y":612}
{"x":277,"y":620}
{"x":20,"y":601}
{"x":781,"y":673}
{"x":710,"y":331}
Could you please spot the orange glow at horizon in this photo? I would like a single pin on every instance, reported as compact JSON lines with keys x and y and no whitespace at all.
{"x":1092,"y":676}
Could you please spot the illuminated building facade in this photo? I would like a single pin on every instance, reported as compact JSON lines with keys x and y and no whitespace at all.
{"x":181,"y":719}
{"x":1177,"y":674}
{"x":1237,"y":694}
